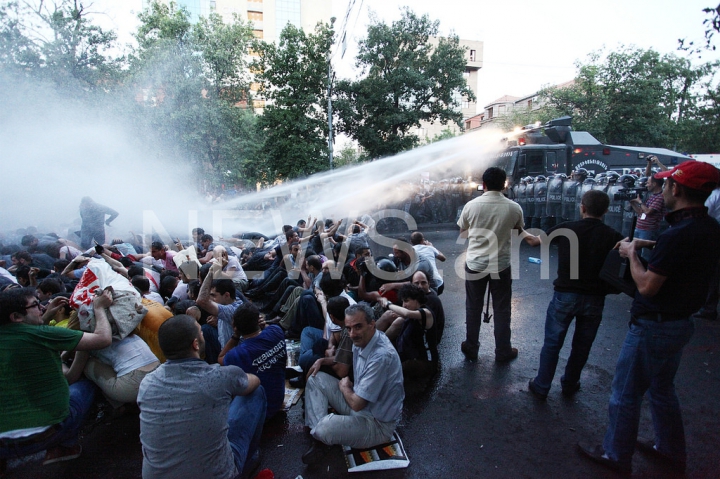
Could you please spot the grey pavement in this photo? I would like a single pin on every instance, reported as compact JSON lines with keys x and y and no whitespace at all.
{"x":477,"y":419}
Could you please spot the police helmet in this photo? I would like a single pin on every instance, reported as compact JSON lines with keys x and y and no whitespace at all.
{"x":627,"y":180}
{"x":581,"y":172}
{"x":642,"y":182}
{"x":612,"y":176}
{"x":589,"y":181}
{"x":387,"y":265}
{"x":540,"y":178}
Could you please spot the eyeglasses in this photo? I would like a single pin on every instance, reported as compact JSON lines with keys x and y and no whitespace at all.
{"x":35,"y":304}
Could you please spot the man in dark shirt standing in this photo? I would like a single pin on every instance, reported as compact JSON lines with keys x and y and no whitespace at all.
{"x":93,"y":221}
{"x":580,"y":295}
{"x":669,"y":291}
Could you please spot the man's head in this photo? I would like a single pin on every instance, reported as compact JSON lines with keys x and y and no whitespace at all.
{"x":314,"y":263}
{"x":157,"y":250}
{"x":689,"y":184}
{"x":494,"y":179}
{"x":420,"y":280}
{"x":301,"y":223}
{"x":246,"y":319}
{"x":206,"y":240}
{"x":336,"y":309}
{"x":401,"y":254}
{"x":291,"y":236}
{"x":295,"y":249}
{"x":29,"y":241}
{"x":417,"y":238}
{"x":363,"y":252}
{"x":360,"y":322}
{"x":19,"y":305}
{"x":331,"y":287}
{"x":21,"y":258}
{"x":180,"y":337}
{"x":594,"y":203}
{"x":197,"y":233}
{"x":655,"y":185}
{"x":49,"y":287}
{"x":412,"y":297}
{"x":141,"y":283}
{"x":223,"y":291}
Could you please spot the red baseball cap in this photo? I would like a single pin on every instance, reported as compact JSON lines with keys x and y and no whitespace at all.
{"x":697,"y":175}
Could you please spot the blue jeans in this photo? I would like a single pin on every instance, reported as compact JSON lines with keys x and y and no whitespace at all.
{"x":82,"y":395}
{"x":245,"y":424}
{"x":311,"y":342}
{"x":648,"y":361}
{"x":651,"y":235}
{"x":587,"y":311}
{"x":212,"y":343}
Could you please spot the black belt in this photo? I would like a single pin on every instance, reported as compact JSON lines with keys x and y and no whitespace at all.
{"x":660,"y":317}
{"x":33,"y":439}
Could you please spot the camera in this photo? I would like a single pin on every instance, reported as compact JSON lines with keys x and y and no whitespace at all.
{"x":627,"y":194}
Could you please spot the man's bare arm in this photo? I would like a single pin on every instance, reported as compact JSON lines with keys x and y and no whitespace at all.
{"x":102,"y":337}
{"x":355,"y":402}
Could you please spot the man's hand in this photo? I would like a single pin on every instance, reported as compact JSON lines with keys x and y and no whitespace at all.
{"x":315,"y":368}
{"x":55,"y":304}
{"x":212,"y":321}
{"x":104,"y":300}
{"x":346,"y":384}
{"x":629,"y":248}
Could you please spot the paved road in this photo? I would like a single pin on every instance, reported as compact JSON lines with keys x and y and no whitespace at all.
{"x":477,"y":418}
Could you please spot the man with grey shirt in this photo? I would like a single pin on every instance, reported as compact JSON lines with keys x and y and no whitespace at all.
{"x":186,"y":398}
{"x":369,"y":409}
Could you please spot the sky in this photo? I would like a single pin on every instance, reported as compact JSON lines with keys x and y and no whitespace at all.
{"x":527,"y":44}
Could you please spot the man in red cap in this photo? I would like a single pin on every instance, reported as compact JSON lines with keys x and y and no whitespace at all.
{"x":669,"y":290}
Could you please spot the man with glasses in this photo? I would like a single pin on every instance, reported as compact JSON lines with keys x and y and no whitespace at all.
{"x":40,"y":411}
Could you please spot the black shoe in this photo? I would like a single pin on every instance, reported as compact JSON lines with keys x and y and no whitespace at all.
{"x":569,"y":390}
{"x":292,"y":373}
{"x":504,"y":358}
{"x":647,"y":446}
{"x":535,"y":392}
{"x":316,"y":452}
{"x":597,"y":454}
{"x":298,"y":382}
{"x":470,"y":351}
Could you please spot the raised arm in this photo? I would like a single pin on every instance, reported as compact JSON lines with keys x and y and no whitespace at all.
{"x":102,"y":337}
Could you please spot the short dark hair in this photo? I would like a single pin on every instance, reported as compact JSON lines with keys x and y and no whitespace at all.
{"x":691,"y":194}
{"x":13,"y":301}
{"x":494,"y":178}
{"x":157,"y":245}
{"x":337,"y":306}
{"x":245,"y":319}
{"x":206,"y":237}
{"x":596,"y":202}
{"x":24,"y":255}
{"x":136,"y":270}
{"x":27,"y":240}
{"x":176,"y":336}
{"x":193,"y":288}
{"x":51,"y":286}
{"x":141,"y":283}
{"x":658,"y":181}
{"x":331,"y":287}
{"x":198,"y":231}
{"x":60,"y":264}
{"x":314,"y":261}
{"x":23,"y":272}
{"x":417,"y":238}
{"x":223,"y":286}
{"x":361,"y":308}
{"x":411,"y":291}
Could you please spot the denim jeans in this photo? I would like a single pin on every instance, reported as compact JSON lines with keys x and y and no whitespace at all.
{"x":212,"y":343}
{"x":312,"y":347}
{"x":501,"y":292}
{"x":648,"y":361}
{"x":587,"y":311}
{"x":82,"y":395}
{"x":651,"y":235}
{"x":245,"y":424}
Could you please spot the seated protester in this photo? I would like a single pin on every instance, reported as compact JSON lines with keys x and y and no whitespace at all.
{"x":68,"y":252}
{"x":272,"y":282}
{"x":167,"y":285}
{"x":117,"y":369}
{"x":261,"y":352}
{"x":433,"y":303}
{"x":224,"y":405}
{"x":366,"y":411}
{"x":198,"y":233}
{"x":290,"y":289}
{"x":23,"y":277}
{"x":427,"y":253}
{"x":352,"y":270}
{"x":49,"y":287}
{"x":256,"y":260}
{"x":159,"y":257}
{"x":371,"y":282}
{"x":322,"y":235}
{"x":189,"y":271}
{"x":30,"y":367}
{"x":142,"y":284}
{"x":152,"y":276}
{"x":205,"y":250}
{"x":330,"y":349}
{"x":231,"y":268}
{"x":217,"y":297}
{"x":407,"y":331}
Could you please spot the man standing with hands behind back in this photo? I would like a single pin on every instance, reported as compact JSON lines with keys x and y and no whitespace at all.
{"x":487,"y":222}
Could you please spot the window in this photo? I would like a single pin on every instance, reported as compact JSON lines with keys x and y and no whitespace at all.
{"x":287,"y":11}
{"x":501,"y":109}
{"x":472,"y":55}
{"x":258,"y":33}
{"x":552,"y":165}
{"x":255,"y":16}
{"x":535,"y":163}
{"x":465,"y":105}
{"x":530,"y":104}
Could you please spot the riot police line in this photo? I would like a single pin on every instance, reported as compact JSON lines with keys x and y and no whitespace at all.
{"x":550,"y":200}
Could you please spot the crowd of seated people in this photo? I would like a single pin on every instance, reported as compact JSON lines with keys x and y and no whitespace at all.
{"x":247,"y":294}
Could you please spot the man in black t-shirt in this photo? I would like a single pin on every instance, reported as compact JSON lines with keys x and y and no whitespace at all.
{"x":579,"y":294}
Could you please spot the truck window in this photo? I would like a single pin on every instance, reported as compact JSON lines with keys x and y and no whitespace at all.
{"x":535,"y":162}
{"x":552,"y":162}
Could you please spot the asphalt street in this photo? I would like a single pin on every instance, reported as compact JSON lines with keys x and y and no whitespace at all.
{"x":476,"y":419}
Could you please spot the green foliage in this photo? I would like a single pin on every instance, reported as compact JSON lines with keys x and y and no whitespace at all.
{"x":445,"y":134}
{"x":407,"y":79}
{"x":57,"y":42}
{"x":347,"y":155}
{"x":293,"y":75}
{"x":191,"y":85}
{"x":633,"y":97}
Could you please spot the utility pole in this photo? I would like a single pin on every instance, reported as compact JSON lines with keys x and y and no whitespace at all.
{"x":329,"y":94}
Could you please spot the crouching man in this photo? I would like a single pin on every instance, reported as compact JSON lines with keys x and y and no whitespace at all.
{"x":186,"y":397}
{"x":367,"y":411}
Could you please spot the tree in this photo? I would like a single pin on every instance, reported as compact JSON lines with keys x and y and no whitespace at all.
{"x":634,"y":97}
{"x":57,"y":42}
{"x":192,"y":82}
{"x":409,"y":78}
{"x":293,"y":75}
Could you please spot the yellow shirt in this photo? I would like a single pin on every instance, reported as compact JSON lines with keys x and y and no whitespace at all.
{"x":490,"y":219}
